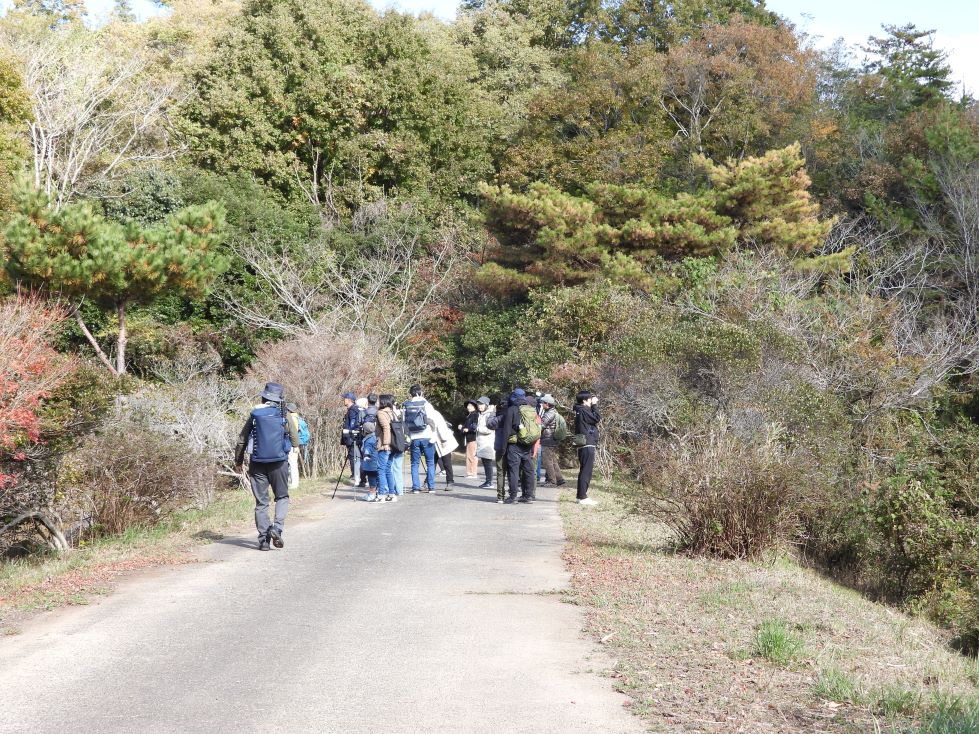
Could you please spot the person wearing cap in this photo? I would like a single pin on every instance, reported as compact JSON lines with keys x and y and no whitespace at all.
{"x":586,"y":420}
{"x":549,"y":444}
{"x":485,"y":440}
{"x":292,"y":416}
{"x":271,"y":438}
{"x":350,"y":435}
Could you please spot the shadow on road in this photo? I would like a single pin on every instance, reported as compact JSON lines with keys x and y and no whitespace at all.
{"x":237,"y":542}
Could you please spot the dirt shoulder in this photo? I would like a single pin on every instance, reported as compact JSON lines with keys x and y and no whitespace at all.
{"x":729,"y":646}
{"x":30,"y":586}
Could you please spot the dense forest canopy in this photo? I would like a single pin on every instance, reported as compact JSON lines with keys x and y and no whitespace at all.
{"x":763,"y":255}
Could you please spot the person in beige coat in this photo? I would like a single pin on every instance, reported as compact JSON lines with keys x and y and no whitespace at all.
{"x":445,"y":443}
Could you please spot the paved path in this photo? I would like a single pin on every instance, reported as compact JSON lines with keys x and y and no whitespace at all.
{"x":434,"y":614}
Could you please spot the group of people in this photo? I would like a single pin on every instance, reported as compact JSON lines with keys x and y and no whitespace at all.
{"x":516,"y":438}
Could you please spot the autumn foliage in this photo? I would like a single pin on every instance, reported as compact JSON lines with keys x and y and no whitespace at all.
{"x":29,"y":370}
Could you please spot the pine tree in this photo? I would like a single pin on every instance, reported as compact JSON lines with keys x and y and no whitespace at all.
{"x":77,"y":253}
{"x":124,"y":11}
{"x":551,"y":237}
{"x":768,"y":199}
{"x":912,"y":71}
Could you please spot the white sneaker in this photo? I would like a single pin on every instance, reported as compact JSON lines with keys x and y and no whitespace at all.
{"x":588,"y":501}
{"x":392,"y":498}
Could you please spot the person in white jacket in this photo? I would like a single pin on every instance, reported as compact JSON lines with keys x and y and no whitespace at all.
{"x":485,"y":441}
{"x":418,"y":422}
{"x":445,"y":443}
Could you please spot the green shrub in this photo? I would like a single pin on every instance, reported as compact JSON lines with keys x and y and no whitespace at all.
{"x":919,"y":529}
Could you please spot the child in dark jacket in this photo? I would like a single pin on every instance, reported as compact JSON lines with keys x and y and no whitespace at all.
{"x":368,"y":466}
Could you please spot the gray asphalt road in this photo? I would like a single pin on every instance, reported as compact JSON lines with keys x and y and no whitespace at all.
{"x":434,"y":614}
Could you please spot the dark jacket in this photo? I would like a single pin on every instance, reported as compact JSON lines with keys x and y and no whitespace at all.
{"x":469,"y":426}
{"x":586,"y":420}
{"x":497,"y":423}
{"x":351,"y":426}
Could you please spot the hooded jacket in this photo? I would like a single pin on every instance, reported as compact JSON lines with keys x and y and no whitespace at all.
{"x":383,"y":430}
{"x":485,"y":435}
{"x":586,"y":420}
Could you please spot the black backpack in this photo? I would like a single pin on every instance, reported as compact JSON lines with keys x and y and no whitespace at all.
{"x":399,"y":441}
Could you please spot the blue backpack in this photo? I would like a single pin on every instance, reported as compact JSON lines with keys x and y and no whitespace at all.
{"x":303,"y":431}
{"x":416,"y":419}
{"x":270,"y":440}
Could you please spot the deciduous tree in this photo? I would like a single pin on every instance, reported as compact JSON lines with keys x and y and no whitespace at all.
{"x":332,"y":96}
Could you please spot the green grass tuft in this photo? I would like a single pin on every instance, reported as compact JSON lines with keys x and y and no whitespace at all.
{"x":833,"y":684}
{"x":892,"y":701}
{"x":777,"y":643}
{"x":952,"y":716}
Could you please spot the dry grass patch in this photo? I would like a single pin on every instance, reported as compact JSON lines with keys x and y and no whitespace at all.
{"x":727,"y":646}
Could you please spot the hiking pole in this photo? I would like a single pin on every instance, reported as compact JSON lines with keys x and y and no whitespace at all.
{"x":342,"y":469}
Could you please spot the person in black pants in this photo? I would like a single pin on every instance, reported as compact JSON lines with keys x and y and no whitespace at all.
{"x":586,"y":420}
{"x":521,"y":460}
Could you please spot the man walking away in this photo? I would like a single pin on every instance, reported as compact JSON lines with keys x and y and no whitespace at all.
{"x":350,"y":435}
{"x":418,"y":423}
{"x":271,"y":439}
{"x":523,"y":433}
{"x":586,"y":420}
{"x":550,"y":442}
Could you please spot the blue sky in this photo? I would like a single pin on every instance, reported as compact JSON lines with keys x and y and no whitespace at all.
{"x":956,"y":21}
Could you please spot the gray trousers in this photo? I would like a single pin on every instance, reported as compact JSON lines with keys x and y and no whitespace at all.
{"x":261,"y":476}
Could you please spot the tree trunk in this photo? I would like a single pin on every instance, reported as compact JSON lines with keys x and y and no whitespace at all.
{"x":121,"y":341}
{"x":103,"y":357}
{"x":56,"y":541}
